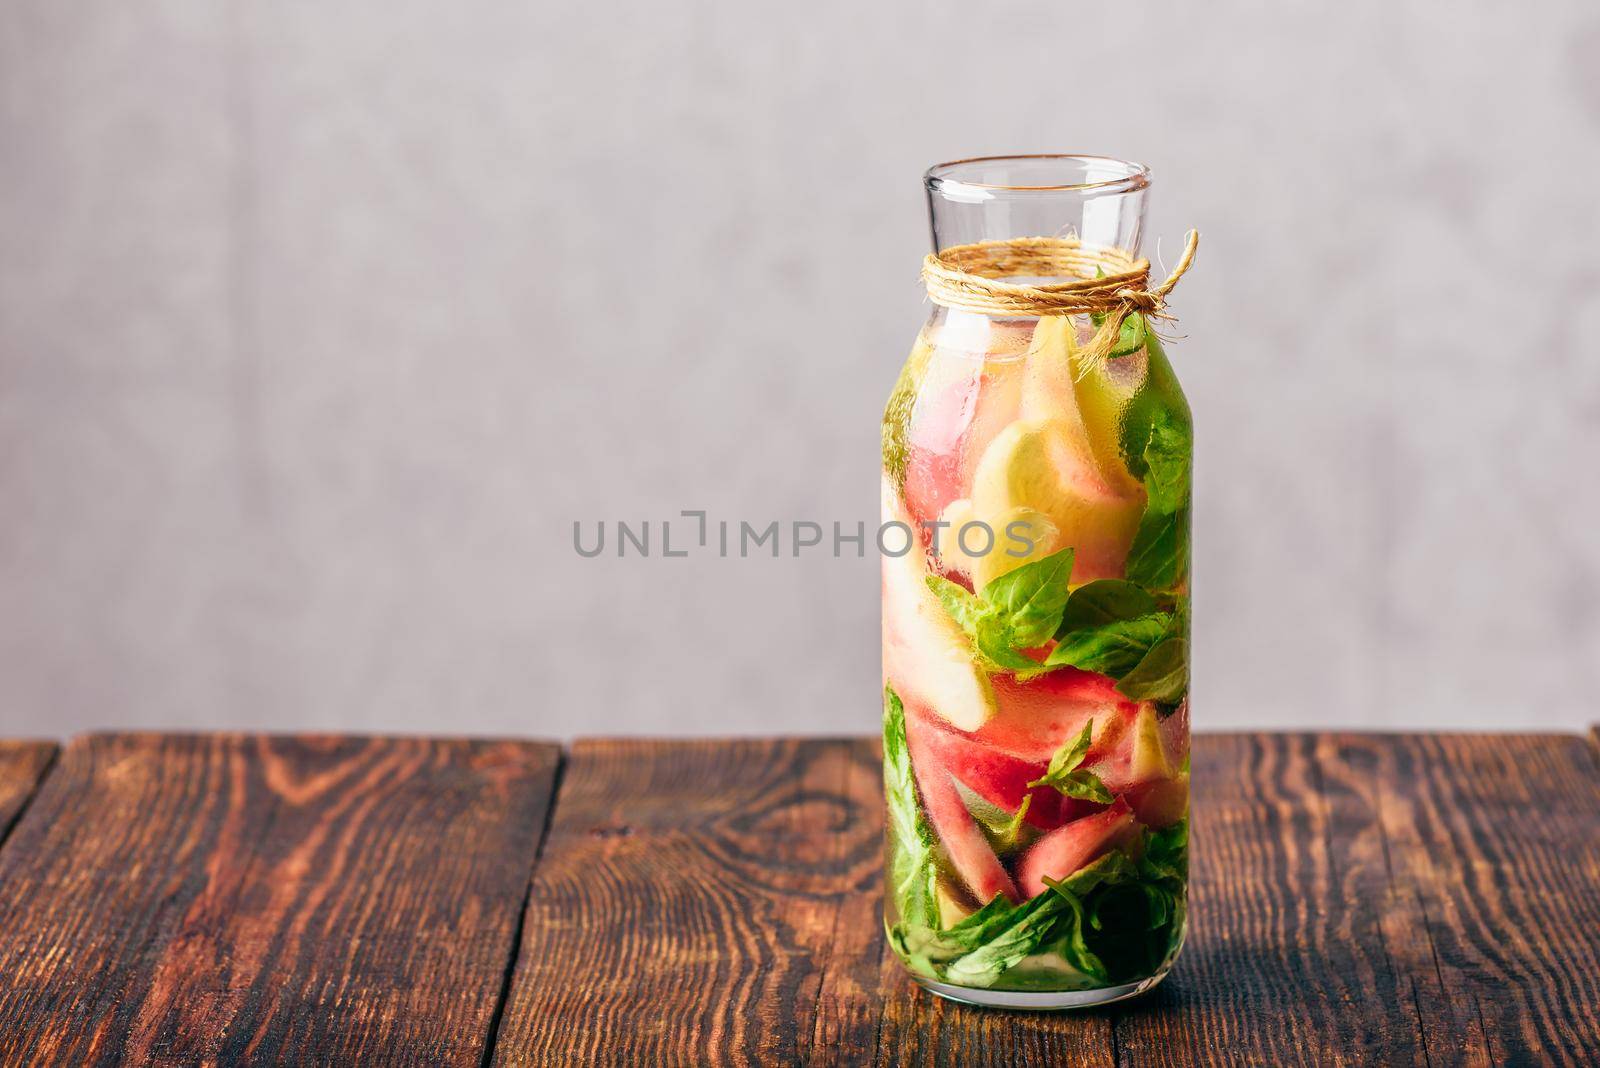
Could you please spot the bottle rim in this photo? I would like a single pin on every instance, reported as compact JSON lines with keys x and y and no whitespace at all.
{"x":973,"y":178}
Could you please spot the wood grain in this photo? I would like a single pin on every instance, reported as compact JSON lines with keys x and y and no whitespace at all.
{"x":1285,"y":961}
{"x":233,"y":899}
{"x":22,"y":764}
{"x":1357,"y":899}
{"x":1498,"y":837}
{"x":719,"y":903}
{"x":704,"y":902}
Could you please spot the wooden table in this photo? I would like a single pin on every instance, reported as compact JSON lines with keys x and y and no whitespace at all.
{"x":1378,"y":899}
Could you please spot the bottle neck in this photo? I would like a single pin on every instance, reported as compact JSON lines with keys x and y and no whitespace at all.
{"x":1100,"y":200}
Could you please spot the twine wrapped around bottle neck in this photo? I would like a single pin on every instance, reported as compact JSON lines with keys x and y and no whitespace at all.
{"x":1106,"y":282}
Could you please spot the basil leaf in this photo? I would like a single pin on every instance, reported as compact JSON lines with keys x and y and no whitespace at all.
{"x":1085,"y":786}
{"x":999,"y":647}
{"x":1127,"y":920}
{"x":1130,"y":336}
{"x":1167,"y":457}
{"x":897,"y":413}
{"x":1005,"y":830}
{"x":973,"y":927}
{"x":940,"y":947}
{"x":1113,"y":920}
{"x":1062,"y":773}
{"x":1110,"y":626}
{"x":1031,"y":598}
{"x":991,"y":636}
{"x":1115,"y":866}
{"x":1159,"y":555}
{"x":1157,"y":444}
{"x":1163,"y":674}
{"x":1021,"y":932}
{"x":963,"y":606}
{"x":913,"y":849}
{"x":1078,"y":890}
{"x":1105,"y":601}
{"x":1111,"y":649}
{"x":1166,"y":853}
{"x":1130,"y":333}
{"x":1160,"y":398}
{"x":1069,"y":756}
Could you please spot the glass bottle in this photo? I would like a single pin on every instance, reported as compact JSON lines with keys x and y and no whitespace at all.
{"x":1035,"y":627}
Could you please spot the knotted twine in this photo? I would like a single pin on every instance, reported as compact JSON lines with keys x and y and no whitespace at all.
{"x":1106,"y":283}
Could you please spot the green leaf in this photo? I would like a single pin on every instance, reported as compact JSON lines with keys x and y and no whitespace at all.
{"x":897,"y":413}
{"x":1017,"y":935}
{"x":1113,"y":866}
{"x":1064,"y":776}
{"x":976,"y":929}
{"x":1031,"y":598}
{"x":1012,"y":831}
{"x":1130,"y":333}
{"x":1005,"y":830}
{"x":1105,"y":601}
{"x":1159,"y":555}
{"x":1000,"y":648}
{"x":937,"y":948}
{"x":1110,"y":626}
{"x":991,"y":636}
{"x":1069,"y":756}
{"x":1166,"y":853}
{"x":913,"y":872}
{"x":1160,"y":398}
{"x":1078,"y":891}
{"x":1112,"y":648}
{"x":1128,"y":919}
{"x":1114,"y":920}
{"x":962,"y":605}
{"x":1085,"y":786}
{"x":1168,"y":460}
{"x":1130,"y":337}
{"x":1163,"y":674}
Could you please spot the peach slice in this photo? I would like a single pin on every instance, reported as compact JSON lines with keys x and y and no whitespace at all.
{"x":1139,"y":751}
{"x":1013,"y":539}
{"x":1066,"y":849}
{"x":970,"y":854}
{"x":962,"y":403}
{"x":1042,"y":466}
{"x":1033,"y":720}
{"x":927,"y":658}
{"x":1059,"y":385}
{"x":999,"y":777}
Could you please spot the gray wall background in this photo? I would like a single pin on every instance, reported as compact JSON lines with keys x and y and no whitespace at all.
{"x":320,"y":324}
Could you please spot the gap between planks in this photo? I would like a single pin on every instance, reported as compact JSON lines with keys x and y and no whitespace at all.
{"x":510,"y":972}
{"x":35,"y":760}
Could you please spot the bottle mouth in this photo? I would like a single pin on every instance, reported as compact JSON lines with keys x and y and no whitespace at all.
{"x":995,"y":177}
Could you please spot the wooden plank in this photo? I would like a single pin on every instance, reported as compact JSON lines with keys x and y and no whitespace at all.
{"x":1498,"y":838}
{"x":22,"y":764}
{"x":703,"y":902}
{"x":232,"y":899}
{"x":1286,"y":960}
{"x":1357,"y":899}
{"x":718,"y":902}
{"x":1386,"y":899}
